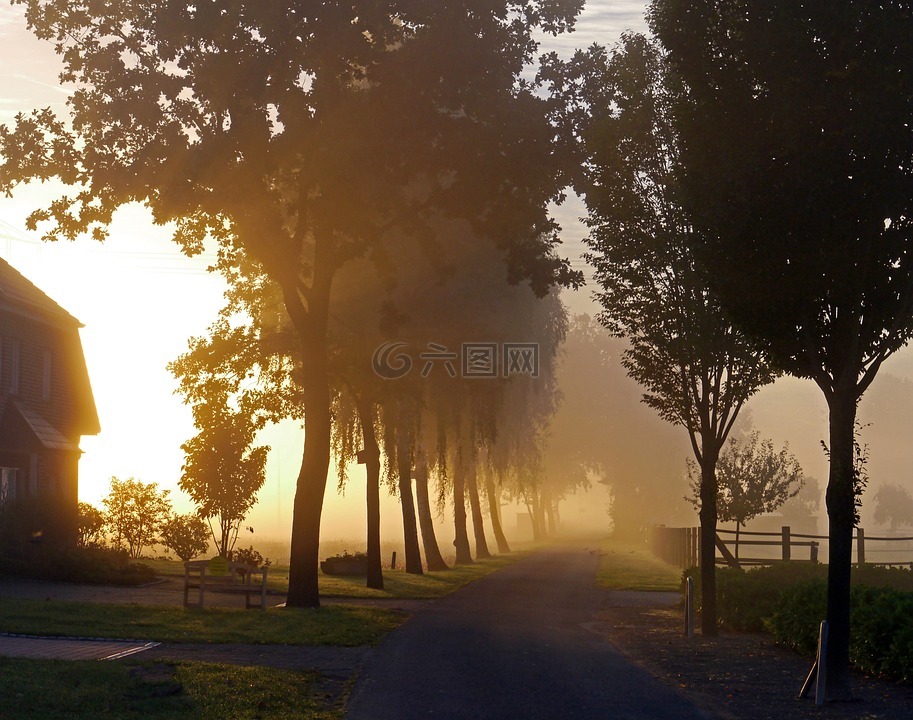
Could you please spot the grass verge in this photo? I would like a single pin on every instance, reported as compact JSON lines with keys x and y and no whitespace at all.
{"x":397,"y":583}
{"x":629,"y":566}
{"x":84,"y":690}
{"x":344,"y":625}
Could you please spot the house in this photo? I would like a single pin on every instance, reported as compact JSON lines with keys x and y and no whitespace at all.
{"x":46,"y":401}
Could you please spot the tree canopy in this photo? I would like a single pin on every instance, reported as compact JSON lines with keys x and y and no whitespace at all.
{"x":696,"y":366}
{"x":797,"y":135}
{"x":302,"y":135}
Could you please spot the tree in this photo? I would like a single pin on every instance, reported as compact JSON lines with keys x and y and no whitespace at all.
{"x":90,"y":525}
{"x":894,"y":505}
{"x":304,"y":135}
{"x":134,"y":514}
{"x":753,"y":479}
{"x":698,"y":369}
{"x":798,"y":130}
{"x":222,"y":472}
{"x":186,"y":536}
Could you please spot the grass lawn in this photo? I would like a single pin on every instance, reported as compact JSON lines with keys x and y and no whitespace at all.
{"x":330,"y":625}
{"x":629,"y":566}
{"x":397,"y":583}
{"x":202,"y":691}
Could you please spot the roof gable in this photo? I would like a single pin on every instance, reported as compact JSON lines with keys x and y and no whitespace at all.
{"x":19,"y":292}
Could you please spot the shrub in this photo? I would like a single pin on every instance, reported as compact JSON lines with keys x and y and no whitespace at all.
{"x":90,"y":525}
{"x":881,"y":634}
{"x":249,"y":556}
{"x":186,"y":536}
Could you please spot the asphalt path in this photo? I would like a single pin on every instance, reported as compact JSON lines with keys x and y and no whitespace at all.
{"x":518,"y":644}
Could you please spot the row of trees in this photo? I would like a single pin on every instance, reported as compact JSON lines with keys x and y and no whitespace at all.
{"x":139,"y":515}
{"x":747,"y":175}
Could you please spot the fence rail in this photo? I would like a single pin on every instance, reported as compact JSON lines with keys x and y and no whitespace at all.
{"x":681,"y":547}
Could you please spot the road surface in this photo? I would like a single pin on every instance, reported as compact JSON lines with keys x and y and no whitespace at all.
{"x":518,"y":644}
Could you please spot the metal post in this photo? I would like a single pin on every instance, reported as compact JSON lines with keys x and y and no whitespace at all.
{"x":393,"y":561}
{"x":689,"y":607}
{"x":787,"y":547}
{"x":860,"y":546}
{"x":822,"y":664}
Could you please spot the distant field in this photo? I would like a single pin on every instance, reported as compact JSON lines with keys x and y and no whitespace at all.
{"x":629,"y":566}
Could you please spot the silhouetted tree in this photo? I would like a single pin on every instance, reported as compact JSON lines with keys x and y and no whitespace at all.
{"x":134,"y":514}
{"x":304,"y":134}
{"x":222,"y":472}
{"x":798,"y":133}
{"x":90,"y":525}
{"x":753,"y":478}
{"x":698,"y":368}
{"x":894,"y":505}
{"x":186,"y":536}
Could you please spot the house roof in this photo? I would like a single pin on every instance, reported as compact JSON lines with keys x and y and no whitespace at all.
{"x":47,"y":434}
{"x":16,"y":290}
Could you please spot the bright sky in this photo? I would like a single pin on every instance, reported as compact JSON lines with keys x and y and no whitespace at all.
{"x":140,"y":301}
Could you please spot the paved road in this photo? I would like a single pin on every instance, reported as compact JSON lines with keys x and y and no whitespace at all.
{"x":518,"y":644}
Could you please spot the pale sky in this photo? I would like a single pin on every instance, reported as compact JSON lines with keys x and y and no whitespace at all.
{"x":140,"y":300}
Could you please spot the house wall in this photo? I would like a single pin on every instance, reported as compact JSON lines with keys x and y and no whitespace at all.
{"x":62,"y":409}
{"x":48,"y":474}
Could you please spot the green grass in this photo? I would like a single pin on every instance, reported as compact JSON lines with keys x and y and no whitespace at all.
{"x":39,"y":689}
{"x":627,"y":566}
{"x":397,"y":583}
{"x":331,"y":625}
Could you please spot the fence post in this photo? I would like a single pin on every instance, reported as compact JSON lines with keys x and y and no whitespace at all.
{"x":787,"y":548}
{"x":814,"y":552}
{"x":689,"y":607}
{"x":860,"y":546}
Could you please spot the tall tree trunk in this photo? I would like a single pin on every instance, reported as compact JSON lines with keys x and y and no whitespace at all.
{"x":433,"y":556}
{"x":410,"y":529}
{"x":475,"y":505}
{"x":738,"y":525}
{"x":461,"y":536}
{"x":840,"y":513}
{"x":539,"y":516}
{"x":494,"y":510}
{"x":708,"y":516}
{"x":531,"y":510}
{"x":549,"y":507}
{"x":304,"y":559}
{"x":372,"y":468}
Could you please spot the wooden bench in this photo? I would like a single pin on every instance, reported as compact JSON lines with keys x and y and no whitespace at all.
{"x":219,"y":575}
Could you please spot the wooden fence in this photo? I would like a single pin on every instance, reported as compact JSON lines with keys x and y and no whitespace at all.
{"x":681,"y":547}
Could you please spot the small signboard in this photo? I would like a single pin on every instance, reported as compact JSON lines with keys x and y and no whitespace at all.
{"x":218,"y":565}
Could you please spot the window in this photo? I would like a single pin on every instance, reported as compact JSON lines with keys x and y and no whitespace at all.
{"x":8,"y":478}
{"x":46,"y":377}
{"x":14,"y":366}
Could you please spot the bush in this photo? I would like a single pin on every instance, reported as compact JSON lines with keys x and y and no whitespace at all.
{"x":881,"y":634}
{"x":746,"y":597}
{"x":249,"y":556}
{"x":186,"y":536}
{"x":90,"y":525}
{"x":91,"y":565}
